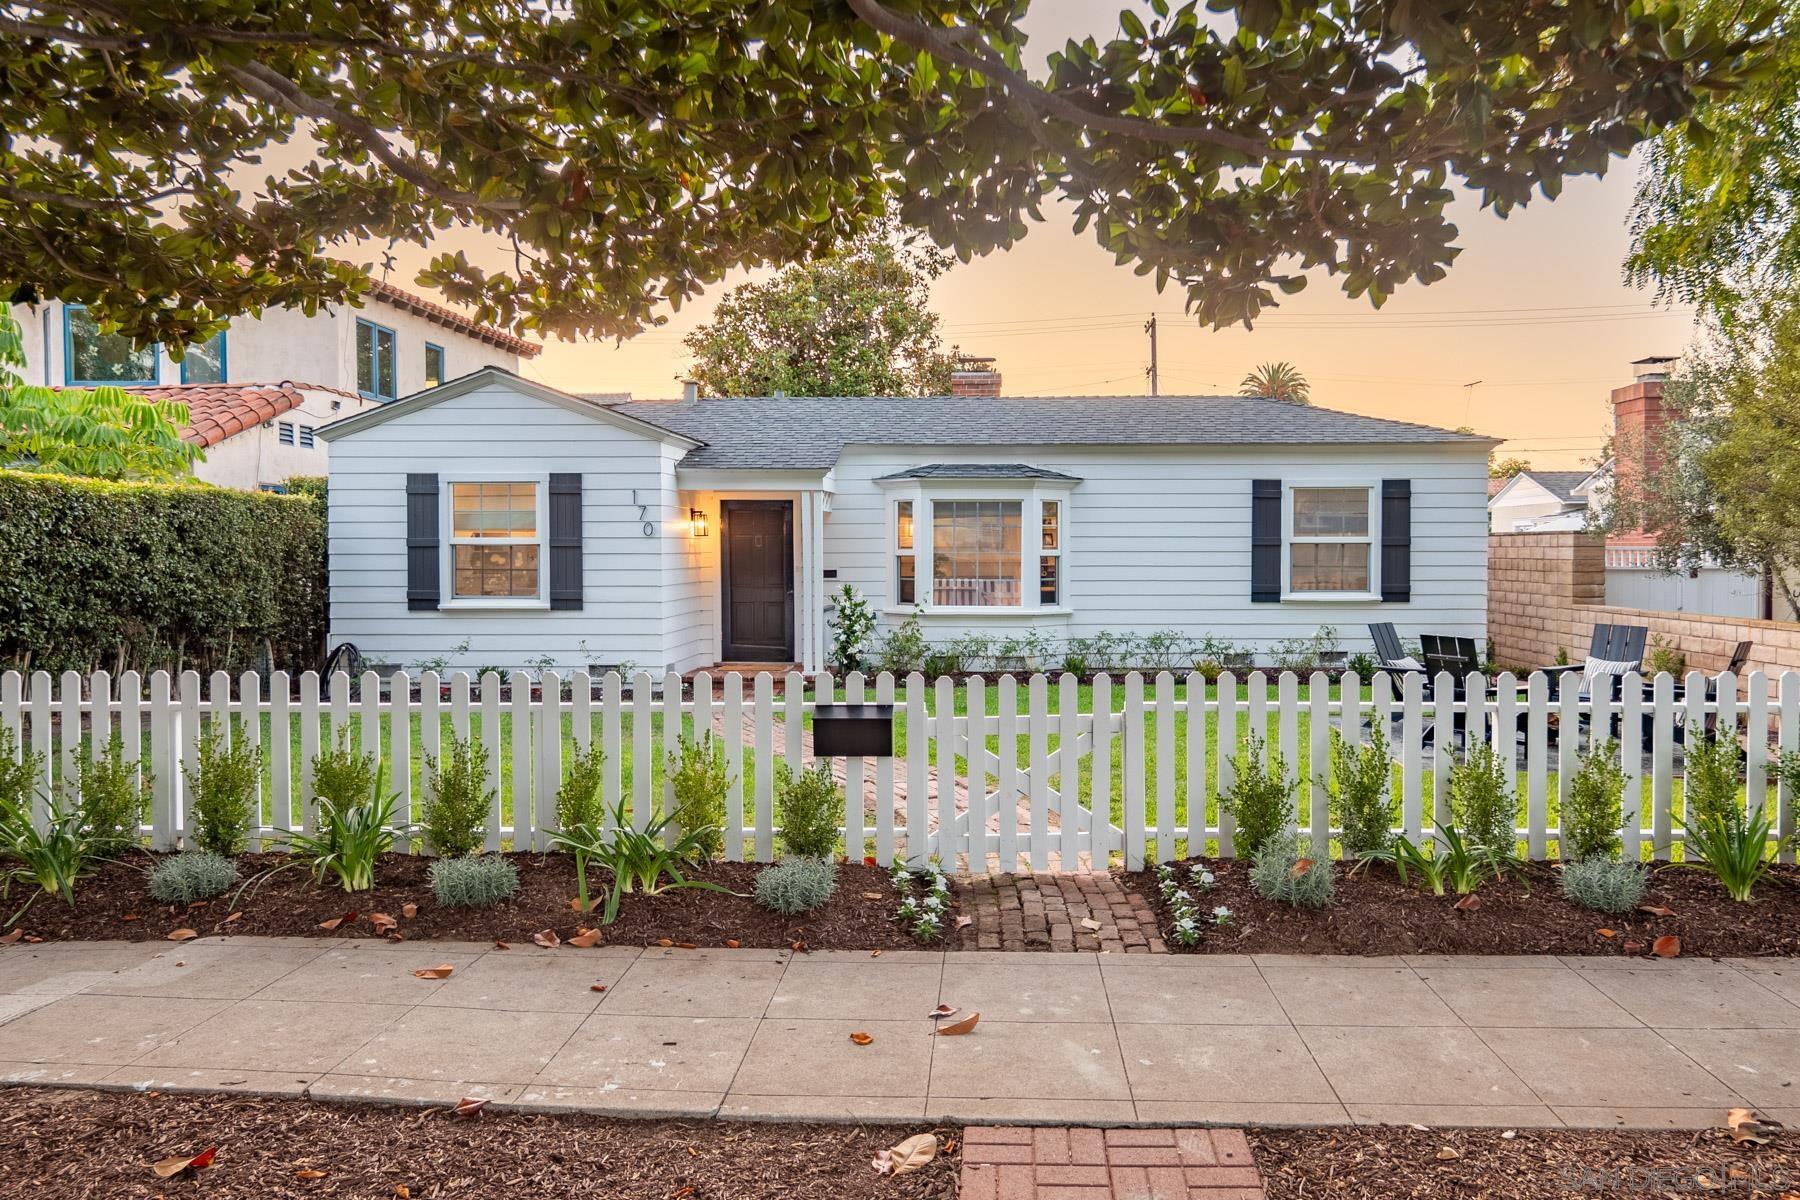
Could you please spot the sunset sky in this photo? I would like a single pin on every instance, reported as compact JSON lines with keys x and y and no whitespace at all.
{"x":1535,"y":309}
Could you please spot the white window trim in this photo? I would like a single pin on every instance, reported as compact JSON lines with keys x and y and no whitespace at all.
{"x":1288,"y":595}
{"x":448,"y":542}
{"x":1030,"y":496}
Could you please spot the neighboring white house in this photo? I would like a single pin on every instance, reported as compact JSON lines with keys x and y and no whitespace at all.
{"x":1541,"y":500}
{"x":257,"y":392}
{"x":497,"y":521}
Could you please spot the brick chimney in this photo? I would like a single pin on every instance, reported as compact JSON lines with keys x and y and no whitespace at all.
{"x":974,"y":377}
{"x":1638,"y":420}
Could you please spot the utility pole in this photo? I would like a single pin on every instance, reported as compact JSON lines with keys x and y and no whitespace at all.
{"x":1150,"y":328}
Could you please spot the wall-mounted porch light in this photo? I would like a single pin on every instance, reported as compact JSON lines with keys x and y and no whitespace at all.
{"x":697,"y":522}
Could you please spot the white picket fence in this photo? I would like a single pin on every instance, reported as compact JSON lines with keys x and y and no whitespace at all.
{"x":1077,"y":789}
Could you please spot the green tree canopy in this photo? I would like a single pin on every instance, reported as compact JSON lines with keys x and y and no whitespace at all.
{"x":1716,"y":222}
{"x":853,"y":323}
{"x":1278,"y":381}
{"x":102,"y":433}
{"x":633,"y":151}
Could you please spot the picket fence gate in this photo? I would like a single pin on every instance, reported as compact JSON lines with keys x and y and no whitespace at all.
{"x":952,"y":793}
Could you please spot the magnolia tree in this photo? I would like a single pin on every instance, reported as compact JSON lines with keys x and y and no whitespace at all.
{"x":633,"y":151}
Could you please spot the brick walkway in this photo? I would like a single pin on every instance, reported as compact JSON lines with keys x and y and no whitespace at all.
{"x":1018,"y":1163}
{"x":1047,"y":911}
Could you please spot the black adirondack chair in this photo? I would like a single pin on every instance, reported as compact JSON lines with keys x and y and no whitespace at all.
{"x":1390,"y":655}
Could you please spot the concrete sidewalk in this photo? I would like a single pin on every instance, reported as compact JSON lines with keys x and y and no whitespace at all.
{"x":1075,"y":1038}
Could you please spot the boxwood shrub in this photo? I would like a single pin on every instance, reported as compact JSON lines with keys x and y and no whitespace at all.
{"x":149,"y":576}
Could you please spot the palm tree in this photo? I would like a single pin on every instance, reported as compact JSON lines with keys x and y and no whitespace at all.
{"x":1277,"y":381}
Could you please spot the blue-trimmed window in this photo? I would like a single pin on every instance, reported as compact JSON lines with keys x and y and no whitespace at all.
{"x":375,"y":360}
{"x":434,"y":365}
{"x":91,"y":357}
{"x":204,"y":362}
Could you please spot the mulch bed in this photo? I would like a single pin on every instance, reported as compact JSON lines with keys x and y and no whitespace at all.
{"x":1373,"y":913}
{"x":56,"y":1144}
{"x":115,"y":902}
{"x":1382,"y":1162}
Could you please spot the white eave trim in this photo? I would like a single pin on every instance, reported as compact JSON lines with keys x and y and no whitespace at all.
{"x":482,"y":377}
{"x":753,"y":479}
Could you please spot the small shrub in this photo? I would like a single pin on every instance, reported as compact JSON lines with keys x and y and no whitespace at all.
{"x":473,"y":882}
{"x":1287,"y":873}
{"x":1664,"y":657}
{"x":1710,"y":774}
{"x":852,"y":624}
{"x":191,"y":875}
{"x":1363,"y":665}
{"x":1591,"y":817}
{"x":905,"y":648}
{"x":341,"y":775}
{"x":808,"y":808}
{"x":20,"y":770}
{"x":1362,"y":795}
{"x":114,"y":798}
{"x":1485,"y":812}
{"x":222,"y":790}
{"x":457,"y":810}
{"x":796,"y":885}
{"x":1261,"y":798}
{"x":578,"y":800}
{"x":700,"y":778}
{"x":1605,"y":884}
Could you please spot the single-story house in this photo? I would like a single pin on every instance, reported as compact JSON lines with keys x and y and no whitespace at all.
{"x":496,"y":521}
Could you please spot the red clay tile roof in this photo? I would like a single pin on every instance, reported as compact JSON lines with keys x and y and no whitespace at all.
{"x":217,"y":411}
{"x":431,"y":310}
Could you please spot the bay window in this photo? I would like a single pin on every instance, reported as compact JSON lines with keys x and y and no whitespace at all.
{"x":1050,"y":554}
{"x":975,"y":553}
{"x":1330,"y":542}
{"x":906,"y":587}
{"x":959,"y":548}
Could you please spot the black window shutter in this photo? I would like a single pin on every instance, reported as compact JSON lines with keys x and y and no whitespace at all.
{"x":422,"y":543}
{"x":1265,"y":541}
{"x":1396,"y":540}
{"x":565,"y":542}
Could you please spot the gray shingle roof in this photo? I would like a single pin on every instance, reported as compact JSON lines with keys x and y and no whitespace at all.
{"x":980,"y":471}
{"x":1560,"y":484}
{"x":809,"y":432}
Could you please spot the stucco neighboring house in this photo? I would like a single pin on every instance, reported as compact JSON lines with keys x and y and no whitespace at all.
{"x":498,"y":521}
{"x":258,"y":390}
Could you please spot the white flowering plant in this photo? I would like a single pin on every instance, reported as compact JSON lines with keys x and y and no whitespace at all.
{"x":924,"y":897}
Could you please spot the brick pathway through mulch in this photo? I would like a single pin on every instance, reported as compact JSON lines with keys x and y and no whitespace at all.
{"x":1046,"y":911}
{"x":1019,"y":1163}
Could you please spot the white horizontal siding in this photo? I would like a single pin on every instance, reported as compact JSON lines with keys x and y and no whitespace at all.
{"x":1159,"y":538}
{"x":500,"y":430}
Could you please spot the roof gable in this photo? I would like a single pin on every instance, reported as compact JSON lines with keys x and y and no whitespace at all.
{"x":449,"y":318}
{"x":217,"y":411}
{"x":418,"y":402}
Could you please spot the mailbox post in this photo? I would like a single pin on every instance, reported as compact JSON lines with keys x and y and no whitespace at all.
{"x":853,"y":731}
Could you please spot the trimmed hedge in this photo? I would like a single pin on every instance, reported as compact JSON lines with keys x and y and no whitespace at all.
{"x":149,"y":576}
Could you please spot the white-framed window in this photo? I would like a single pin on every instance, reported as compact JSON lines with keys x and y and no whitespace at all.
{"x":971,"y":548}
{"x":1331,"y":532}
{"x":496,"y":543}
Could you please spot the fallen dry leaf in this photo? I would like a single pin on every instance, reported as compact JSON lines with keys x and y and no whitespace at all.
{"x":134,"y":917}
{"x":382,"y":922}
{"x":911,"y":1155}
{"x":575,"y":905}
{"x":1091,"y":925}
{"x":1448,"y":1153}
{"x":501,"y":946}
{"x":468,"y":1106}
{"x":332,"y":924}
{"x":944,"y":1010}
{"x":585,"y":939}
{"x":402,"y":1192}
{"x":664,"y":942}
{"x":394,"y":935}
{"x":732,"y":943}
{"x":1749,"y":1127}
{"x":963,"y":920}
{"x":409,"y":910}
{"x":169,"y":1168}
{"x":12,"y":937}
{"x":686,"y":946}
{"x":1656,"y":910}
{"x":1301,"y":866}
{"x":596,"y":987}
{"x":180,"y":935}
{"x":31,"y":939}
{"x":1468,"y":903}
{"x":441,"y":971}
{"x":797,"y":947}
{"x":1634,"y":947}
{"x":861,"y":1038}
{"x":1666,"y":946}
{"x":547,"y":939}
{"x":1607,"y":933}
{"x":874,"y":954}
{"x":956,"y":1028}
{"x":232,"y":919}
{"x":309,"y":1173}
{"x":871,"y":895}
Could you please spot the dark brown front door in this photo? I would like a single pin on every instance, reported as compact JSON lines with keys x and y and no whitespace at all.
{"x":759,"y":581}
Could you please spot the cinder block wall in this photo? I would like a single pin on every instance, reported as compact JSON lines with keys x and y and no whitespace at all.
{"x":1548,"y":590}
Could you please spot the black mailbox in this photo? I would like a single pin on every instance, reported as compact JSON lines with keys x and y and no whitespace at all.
{"x":853,"y":731}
